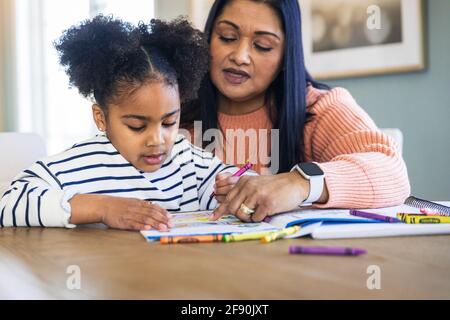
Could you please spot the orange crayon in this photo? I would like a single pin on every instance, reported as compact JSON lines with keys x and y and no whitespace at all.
{"x":191,"y":239}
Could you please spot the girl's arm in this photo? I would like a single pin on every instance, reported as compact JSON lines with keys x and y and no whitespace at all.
{"x":207,"y":168}
{"x":35,"y":199}
{"x":118,"y":212}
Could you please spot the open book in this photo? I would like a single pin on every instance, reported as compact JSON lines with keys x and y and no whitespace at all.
{"x":319,"y":224}
{"x":198,"y":223}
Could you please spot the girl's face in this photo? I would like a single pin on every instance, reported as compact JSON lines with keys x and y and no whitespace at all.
{"x":144,"y":126}
{"x":247,"y":47}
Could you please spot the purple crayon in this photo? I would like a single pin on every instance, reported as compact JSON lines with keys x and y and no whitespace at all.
{"x":335,"y":251}
{"x":374,"y":216}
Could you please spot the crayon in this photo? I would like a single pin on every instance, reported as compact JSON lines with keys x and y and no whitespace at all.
{"x":374,"y":216}
{"x":414,"y":218}
{"x":245,"y":236}
{"x":192,"y":239}
{"x":238,"y":173}
{"x":275,"y":235}
{"x":339,"y":251}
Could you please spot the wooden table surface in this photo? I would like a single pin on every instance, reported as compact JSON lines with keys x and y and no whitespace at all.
{"x":122,"y":265}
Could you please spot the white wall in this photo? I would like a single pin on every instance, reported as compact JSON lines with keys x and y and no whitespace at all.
{"x":170,"y":9}
{"x":195,"y":10}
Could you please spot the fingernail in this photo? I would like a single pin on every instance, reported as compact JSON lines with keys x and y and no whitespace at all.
{"x":162,"y":227}
{"x":147,"y":227}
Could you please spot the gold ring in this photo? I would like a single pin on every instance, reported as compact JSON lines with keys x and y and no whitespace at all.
{"x":246,"y":210}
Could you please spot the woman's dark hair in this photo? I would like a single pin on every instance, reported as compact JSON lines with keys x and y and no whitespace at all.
{"x":106,"y":58}
{"x":289,"y":100}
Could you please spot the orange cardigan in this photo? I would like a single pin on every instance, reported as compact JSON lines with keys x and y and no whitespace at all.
{"x":363,"y":166}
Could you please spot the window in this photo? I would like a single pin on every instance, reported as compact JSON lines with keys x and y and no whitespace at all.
{"x":46,"y":104}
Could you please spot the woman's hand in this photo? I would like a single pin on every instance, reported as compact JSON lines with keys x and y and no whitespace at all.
{"x":267,"y":195}
{"x":225,"y":182}
{"x":119,"y":213}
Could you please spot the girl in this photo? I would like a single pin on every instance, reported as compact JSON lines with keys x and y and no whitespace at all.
{"x":139,"y":170}
{"x":331,"y":154}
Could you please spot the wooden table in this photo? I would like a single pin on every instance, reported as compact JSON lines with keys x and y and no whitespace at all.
{"x":122,"y":265}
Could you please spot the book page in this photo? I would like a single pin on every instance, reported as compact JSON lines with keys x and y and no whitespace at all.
{"x":308,"y":216}
{"x":198,"y":223}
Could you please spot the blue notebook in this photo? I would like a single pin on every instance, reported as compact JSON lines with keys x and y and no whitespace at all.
{"x":322,"y":225}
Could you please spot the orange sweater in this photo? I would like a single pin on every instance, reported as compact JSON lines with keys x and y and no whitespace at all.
{"x":363,"y":167}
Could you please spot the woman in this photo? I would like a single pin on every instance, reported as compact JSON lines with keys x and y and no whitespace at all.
{"x":331,"y":153}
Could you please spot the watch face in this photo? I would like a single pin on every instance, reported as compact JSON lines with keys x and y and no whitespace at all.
{"x":311,"y":169}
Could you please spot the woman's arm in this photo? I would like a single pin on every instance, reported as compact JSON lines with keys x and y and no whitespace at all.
{"x":363,"y":166}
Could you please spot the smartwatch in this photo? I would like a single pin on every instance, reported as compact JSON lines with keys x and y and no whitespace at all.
{"x":311,"y":172}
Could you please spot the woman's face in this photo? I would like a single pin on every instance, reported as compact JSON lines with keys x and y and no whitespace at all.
{"x":247,"y":47}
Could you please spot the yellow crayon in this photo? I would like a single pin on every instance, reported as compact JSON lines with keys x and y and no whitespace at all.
{"x":245,"y":236}
{"x":413,"y":218}
{"x":280,"y":234}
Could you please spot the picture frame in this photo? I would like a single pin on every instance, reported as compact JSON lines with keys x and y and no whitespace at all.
{"x":356,"y":38}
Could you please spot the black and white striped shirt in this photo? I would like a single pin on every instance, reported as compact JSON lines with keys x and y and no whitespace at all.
{"x":39,"y":195}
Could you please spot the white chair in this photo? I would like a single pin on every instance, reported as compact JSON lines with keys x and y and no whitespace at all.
{"x":396,"y":134}
{"x":18,"y":151}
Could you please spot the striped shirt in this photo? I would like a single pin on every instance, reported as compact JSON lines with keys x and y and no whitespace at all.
{"x":39,"y":195}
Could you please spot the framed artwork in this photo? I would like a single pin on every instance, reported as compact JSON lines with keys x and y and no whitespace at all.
{"x":350,"y":38}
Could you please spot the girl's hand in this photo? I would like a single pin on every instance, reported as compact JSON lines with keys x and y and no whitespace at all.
{"x":134,"y":214}
{"x":267,"y":195}
{"x":224,"y":184}
{"x":119,"y":213}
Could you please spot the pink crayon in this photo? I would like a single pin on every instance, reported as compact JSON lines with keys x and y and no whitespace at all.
{"x":239,"y":173}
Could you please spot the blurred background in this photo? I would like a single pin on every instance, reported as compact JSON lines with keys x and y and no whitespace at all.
{"x":35,"y":95}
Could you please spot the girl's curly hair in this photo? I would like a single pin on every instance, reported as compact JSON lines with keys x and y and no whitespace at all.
{"x":106,"y":58}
